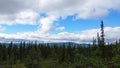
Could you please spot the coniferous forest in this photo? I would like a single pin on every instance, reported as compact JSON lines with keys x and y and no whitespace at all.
{"x":53,"y":55}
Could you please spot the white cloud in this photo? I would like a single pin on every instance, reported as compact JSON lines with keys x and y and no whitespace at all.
{"x":46,"y":23}
{"x":112,"y":33}
{"x":83,"y":9}
{"x":16,"y":6}
{"x":2,"y":28}
{"x":86,"y":36}
{"x":60,"y":28}
{"x":24,"y":17}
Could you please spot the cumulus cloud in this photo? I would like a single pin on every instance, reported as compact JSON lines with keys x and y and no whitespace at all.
{"x":18,"y":12}
{"x":46,"y":23}
{"x":24,"y":17}
{"x":112,"y":33}
{"x":82,"y":8}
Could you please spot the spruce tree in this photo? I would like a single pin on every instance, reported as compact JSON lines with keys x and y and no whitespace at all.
{"x":98,"y":39}
{"x":102,"y":42}
{"x":102,"y":34}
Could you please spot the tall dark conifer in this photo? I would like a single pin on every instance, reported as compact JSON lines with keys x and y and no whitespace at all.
{"x":102,"y":34}
{"x":102,"y":42}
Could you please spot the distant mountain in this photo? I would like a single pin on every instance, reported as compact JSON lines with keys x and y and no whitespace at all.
{"x":4,"y":40}
{"x":67,"y":44}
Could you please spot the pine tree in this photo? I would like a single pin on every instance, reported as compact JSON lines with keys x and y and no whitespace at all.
{"x":102,"y":42}
{"x":98,"y":39}
{"x":102,"y":34}
{"x":94,"y":42}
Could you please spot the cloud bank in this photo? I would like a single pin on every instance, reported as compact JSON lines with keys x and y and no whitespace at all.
{"x":86,"y":36}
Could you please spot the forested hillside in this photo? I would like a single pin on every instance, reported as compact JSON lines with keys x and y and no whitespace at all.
{"x":28,"y":55}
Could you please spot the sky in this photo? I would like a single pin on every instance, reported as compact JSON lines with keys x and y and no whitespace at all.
{"x":59,"y":20}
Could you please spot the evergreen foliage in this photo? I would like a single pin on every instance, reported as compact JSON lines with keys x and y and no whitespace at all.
{"x":53,"y":56}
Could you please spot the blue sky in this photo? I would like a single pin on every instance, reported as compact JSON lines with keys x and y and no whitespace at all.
{"x":59,"y":20}
{"x":18,"y":28}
